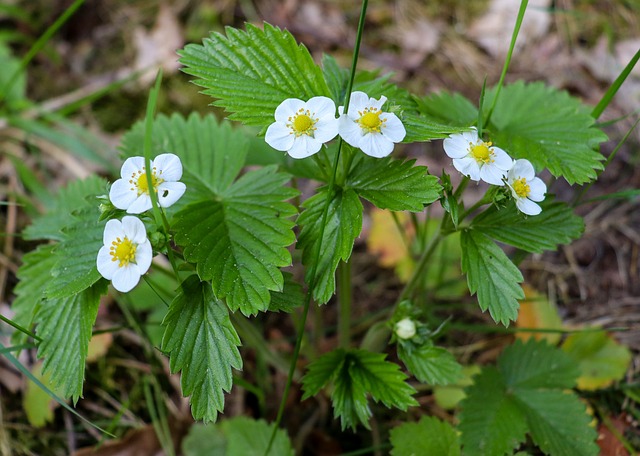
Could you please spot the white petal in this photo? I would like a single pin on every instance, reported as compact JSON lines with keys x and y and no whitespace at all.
{"x":350,"y":131}
{"x":140,"y":205}
{"x":106,"y":267}
{"x":392,"y":129}
{"x":491,"y":174}
{"x":121,"y":195}
{"x":527,"y":206}
{"x":377,"y":103}
{"x":538,"y":189}
{"x":112,"y":230}
{"x":288,"y":108}
{"x":279,"y":136}
{"x":455,"y":146}
{"x":168,"y":167}
{"x":304,"y":147}
{"x":523,"y":168}
{"x":170,"y":192}
{"x":468,"y":166}
{"x":357,"y":102}
{"x":126,"y":278}
{"x":321,"y":107}
{"x":134,"y":229}
{"x":501,"y":159}
{"x":144,"y":255}
{"x":131,"y":166}
{"x":470,"y":136}
{"x":326,"y":129}
{"x":376,"y":145}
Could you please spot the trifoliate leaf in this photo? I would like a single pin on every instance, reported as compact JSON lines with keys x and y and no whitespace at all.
{"x":558,"y":422}
{"x":354,"y":374}
{"x":393,"y":184}
{"x":429,"y":436}
{"x":75,"y":269}
{"x":343,"y":225}
{"x":449,"y":109}
{"x":287,"y":300}
{"x":203,"y":344}
{"x":549,"y":128}
{"x":76,"y":196}
{"x":65,"y":326}
{"x":238,"y":238}
{"x":537,"y":365}
{"x":247,"y":437}
{"x":429,"y":364}
{"x":491,"y":421}
{"x":556,"y":224}
{"x":34,"y":277}
{"x":212,"y":153}
{"x":251,"y":72}
{"x":492,"y":275}
{"x":601,"y":359}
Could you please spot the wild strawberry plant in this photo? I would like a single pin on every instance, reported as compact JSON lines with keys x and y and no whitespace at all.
{"x":186,"y":193}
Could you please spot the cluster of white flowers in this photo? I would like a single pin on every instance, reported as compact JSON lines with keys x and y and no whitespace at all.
{"x":481,"y":160}
{"x":301,"y":128}
{"x":126,"y":254}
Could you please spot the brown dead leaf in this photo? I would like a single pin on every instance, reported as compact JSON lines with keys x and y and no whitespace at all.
{"x":609,"y":444}
{"x":98,"y":346}
{"x":537,"y":312}
{"x":388,"y":243}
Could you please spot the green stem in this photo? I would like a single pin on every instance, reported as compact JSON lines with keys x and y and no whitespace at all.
{"x":325,"y":212}
{"x":20,"y":328}
{"x":344,"y":303}
{"x":514,"y":37}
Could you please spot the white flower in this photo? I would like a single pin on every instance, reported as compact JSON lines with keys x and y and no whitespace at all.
{"x":131,"y":192}
{"x":367,"y":127}
{"x":405,"y":328}
{"x":477,"y":159}
{"x":526,"y":187}
{"x":301,"y":128}
{"x":126,"y":253}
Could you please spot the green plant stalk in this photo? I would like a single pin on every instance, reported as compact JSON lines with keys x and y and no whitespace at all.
{"x":158,"y":416}
{"x":325,"y":212}
{"x":20,"y":328}
{"x":613,"y":89}
{"x":344,"y":304}
{"x":480,"y":123}
{"x":38,"y":45}
{"x":507,"y":62}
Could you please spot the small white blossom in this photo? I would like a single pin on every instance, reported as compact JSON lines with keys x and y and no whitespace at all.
{"x":301,"y":128}
{"x":526,"y":187}
{"x":126,"y":253}
{"x":131,"y":192}
{"x":405,"y":328}
{"x":369,"y":128}
{"x":477,"y":159}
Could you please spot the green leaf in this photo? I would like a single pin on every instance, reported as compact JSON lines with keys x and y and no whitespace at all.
{"x":34,"y":276}
{"x":429,"y":364}
{"x":337,"y":78}
{"x":491,"y":422}
{"x":76,"y":196}
{"x":549,"y":128}
{"x":556,"y":224}
{"x":343,"y":225}
{"x":65,"y":326}
{"x":36,"y":402}
{"x":537,"y":365}
{"x":10,"y":65}
{"x":429,"y":436}
{"x":212,"y":153}
{"x":422,"y":128}
{"x":601,"y":359}
{"x":251,"y":72}
{"x":204,"y":440}
{"x":394,"y":184}
{"x":558,"y":422}
{"x":448,"y":108}
{"x":239,"y":238}
{"x":248,"y":437}
{"x":290,"y":298}
{"x":75,"y":269}
{"x":354,"y":374}
{"x":203,"y":344}
{"x":492,"y":275}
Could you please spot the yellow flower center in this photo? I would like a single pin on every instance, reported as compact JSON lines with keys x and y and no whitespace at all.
{"x":370,"y":120}
{"x":123,"y":251}
{"x":301,"y":123}
{"x":482,"y":152}
{"x":140,"y":184}
{"x":521,"y":187}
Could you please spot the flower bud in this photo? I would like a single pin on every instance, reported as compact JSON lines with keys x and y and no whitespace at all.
{"x":405,"y":328}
